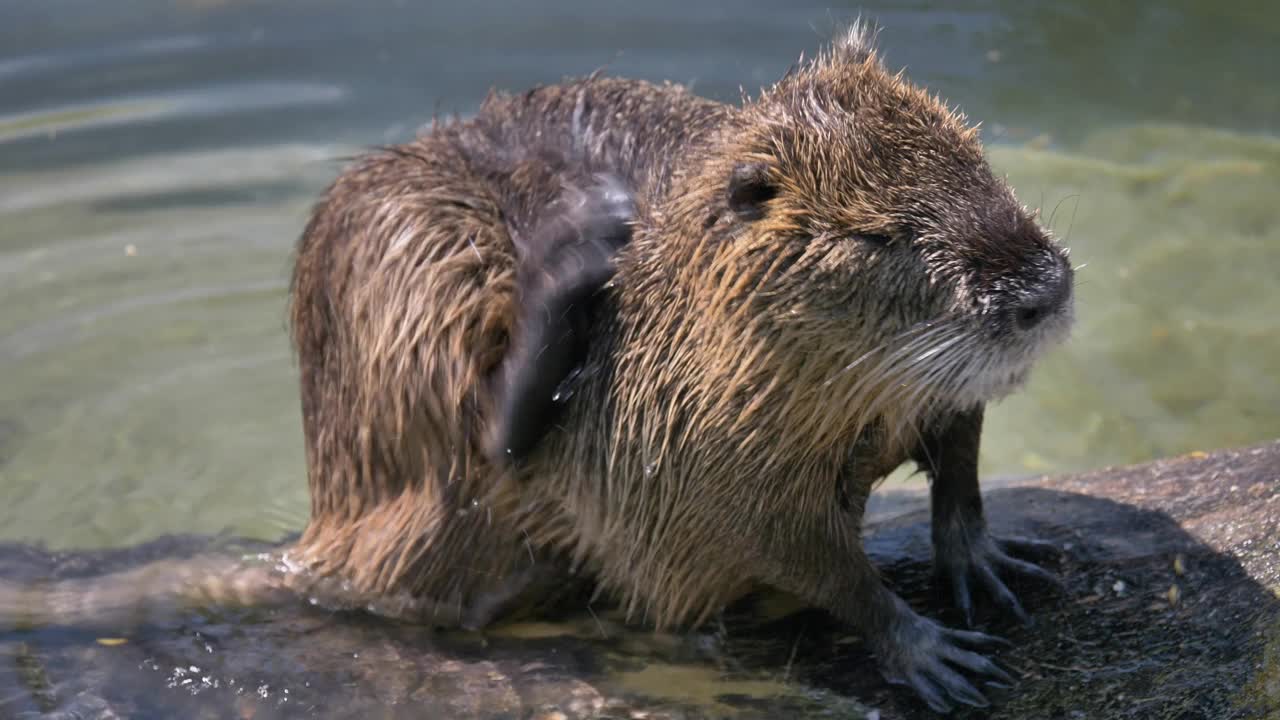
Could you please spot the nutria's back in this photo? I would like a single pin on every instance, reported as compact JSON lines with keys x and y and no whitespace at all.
{"x":631,"y":129}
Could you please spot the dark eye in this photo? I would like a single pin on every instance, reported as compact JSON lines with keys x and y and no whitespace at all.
{"x":750,"y":187}
{"x":877,"y":239}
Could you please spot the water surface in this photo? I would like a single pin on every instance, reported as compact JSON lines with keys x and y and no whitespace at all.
{"x":157,"y":160}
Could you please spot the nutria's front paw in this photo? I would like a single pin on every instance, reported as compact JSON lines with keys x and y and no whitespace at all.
{"x":963,"y":557}
{"x":921,"y":654}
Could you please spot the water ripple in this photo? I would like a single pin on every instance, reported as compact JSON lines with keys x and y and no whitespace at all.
{"x":68,"y":327}
{"x":207,"y":101}
{"x":71,"y":60}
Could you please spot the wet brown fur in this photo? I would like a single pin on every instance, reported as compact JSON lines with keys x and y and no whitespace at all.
{"x":740,"y":375}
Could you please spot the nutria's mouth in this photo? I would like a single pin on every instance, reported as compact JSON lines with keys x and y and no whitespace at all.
{"x":950,"y":363}
{"x":1020,"y":327}
{"x":1006,"y":363}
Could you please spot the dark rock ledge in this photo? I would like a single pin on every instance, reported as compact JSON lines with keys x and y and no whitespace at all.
{"x":1172,"y":611}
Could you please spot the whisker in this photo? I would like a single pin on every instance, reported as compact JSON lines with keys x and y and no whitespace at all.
{"x":914,"y":329}
{"x":889,"y":369}
{"x":932,"y":387}
{"x":855,"y":363}
{"x":1071,"y":223}
{"x":913,"y":375}
{"x":907,"y":379}
{"x":943,"y":389}
{"x":1054,"y":214}
{"x":960,"y":374}
{"x":957,"y":358}
{"x":939,"y":346}
{"x":938,"y":334}
{"x":945,"y":380}
{"x":988,"y":360}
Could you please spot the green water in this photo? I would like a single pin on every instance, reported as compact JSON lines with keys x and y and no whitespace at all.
{"x":157,"y":161}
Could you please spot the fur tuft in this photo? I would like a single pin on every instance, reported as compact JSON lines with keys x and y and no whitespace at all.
{"x":857,"y":43}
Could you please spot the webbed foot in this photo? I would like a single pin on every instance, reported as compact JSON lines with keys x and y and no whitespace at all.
{"x":964,"y":558}
{"x":919,"y":653}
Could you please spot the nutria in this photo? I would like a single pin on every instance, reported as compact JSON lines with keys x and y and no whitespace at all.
{"x":817,"y":286}
{"x":610,"y":329}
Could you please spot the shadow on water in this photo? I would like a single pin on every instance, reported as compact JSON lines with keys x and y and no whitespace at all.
{"x":1122,"y":644}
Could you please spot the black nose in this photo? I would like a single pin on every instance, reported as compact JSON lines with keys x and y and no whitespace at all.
{"x":1044,"y":299}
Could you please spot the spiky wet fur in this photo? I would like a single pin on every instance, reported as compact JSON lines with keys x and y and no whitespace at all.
{"x":740,"y":375}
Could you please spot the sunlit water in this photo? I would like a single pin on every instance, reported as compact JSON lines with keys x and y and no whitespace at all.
{"x":157,"y":161}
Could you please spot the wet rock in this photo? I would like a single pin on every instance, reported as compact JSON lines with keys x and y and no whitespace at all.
{"x":84,"y":706}
{"x":1171,"y":610}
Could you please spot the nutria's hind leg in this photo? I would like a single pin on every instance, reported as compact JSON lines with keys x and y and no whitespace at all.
{"x":964,"y":551}
{"x":540,"y":587}
{"x":566,"y":261}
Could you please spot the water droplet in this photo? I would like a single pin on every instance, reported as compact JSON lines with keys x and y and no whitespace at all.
{"x":567,"y":387}
{"x":650,"y":469}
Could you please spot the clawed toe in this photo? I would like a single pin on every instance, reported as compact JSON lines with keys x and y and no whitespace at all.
{"x":987,"y":562}
{"x":1028,"y":548}
{"x":930,"y":658}
{"x":979,"y":664}
{"x":1000,"y":593}
{"x":976,"y":639}
{"x":939,"y":683}
{"x":1034,"y":572}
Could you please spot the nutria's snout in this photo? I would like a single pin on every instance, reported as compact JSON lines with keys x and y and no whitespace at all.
{"x":1029,"y":303}
{"x":1048,"y":299}
{"x":1030,"y":310}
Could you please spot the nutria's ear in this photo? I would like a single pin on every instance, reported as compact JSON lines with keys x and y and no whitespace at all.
{"x":750,"y":187}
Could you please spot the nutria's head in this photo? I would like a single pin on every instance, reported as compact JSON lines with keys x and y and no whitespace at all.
{"x":856,"y":217}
